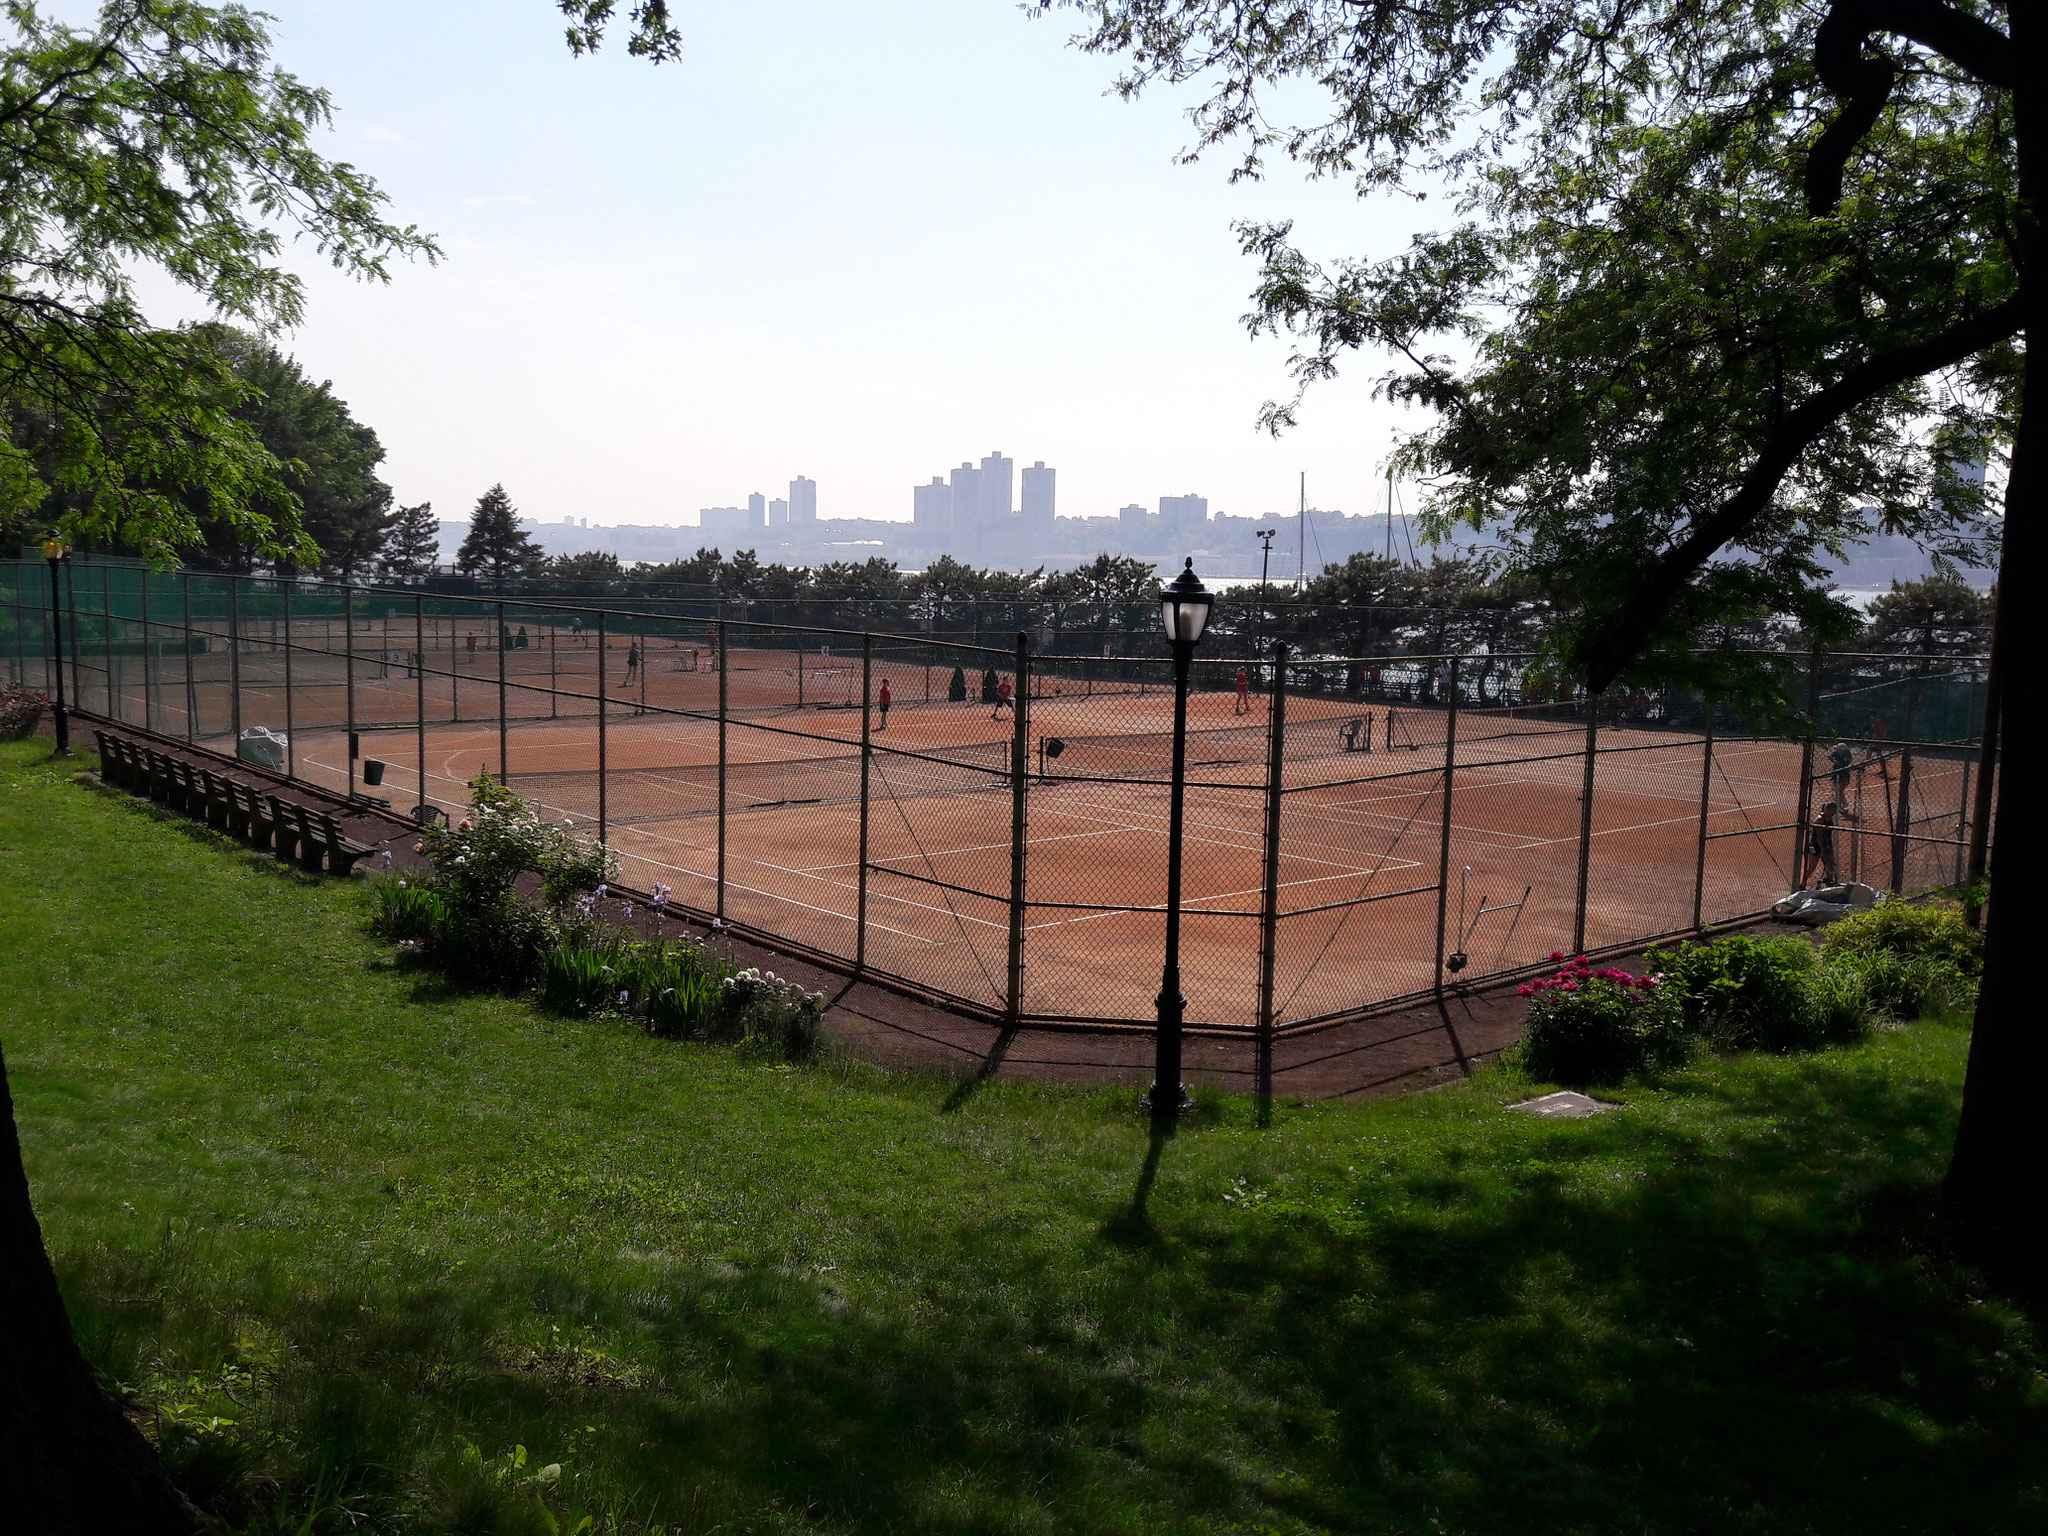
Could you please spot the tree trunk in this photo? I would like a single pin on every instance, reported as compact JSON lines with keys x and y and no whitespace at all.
{"x":70,"y":1460}
{"x":1993,"y":1198}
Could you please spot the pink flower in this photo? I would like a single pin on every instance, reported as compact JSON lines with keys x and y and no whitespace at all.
{"x":1557,"y":954}
{"x":1524,"y":991}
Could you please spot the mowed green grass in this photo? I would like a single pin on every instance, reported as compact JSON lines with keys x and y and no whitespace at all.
{"x":290,"y":1184}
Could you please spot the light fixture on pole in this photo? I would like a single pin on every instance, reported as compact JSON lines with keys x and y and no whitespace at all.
{"x":54,"y":552}
{"x":1184,"y":608}
{"x":1265,"y":536}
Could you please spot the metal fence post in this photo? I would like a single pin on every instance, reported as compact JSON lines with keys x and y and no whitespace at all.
{"x":191,"y":691}
{"x":235,"y":662}
{"x":1586,"y":822}
{"x":554,"y":680}
{"x":1443,"y":860}
{"x":721,"y":763}
{"x":348,"y":654}
{"x":419,"y":688}
{"x":148,"y":672}
{"x":1699,"y":871}
{"x":504,"y":742}
{"x":603,"y":803}
{"x":1987,"y":773}
{"x":291,"y":735}
{"x":867,"y":753}
{"x":107,"y":635}
{"x":1020,"y":754}
{"x":71,"y":610}
{"x":1803,"y":821}
{"x":1269,"y":901}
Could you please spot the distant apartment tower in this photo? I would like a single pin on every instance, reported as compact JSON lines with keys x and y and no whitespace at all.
{"x":757,"y":509}
{"x":1038,"y":487}
{"x":966,"y":489}
{"x":932,"y":506}
{"x":1131,"y":520}
{"x":998,"y":490}
{"x":778,"y":513}
{"x":803,"y":500}
{"x":1183,"y":516}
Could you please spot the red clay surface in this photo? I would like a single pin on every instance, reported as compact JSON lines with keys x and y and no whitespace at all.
{"x":1360,"y":832}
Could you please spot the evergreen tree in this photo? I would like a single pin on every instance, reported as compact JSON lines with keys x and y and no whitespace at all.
{"x":413,"y":547}
{"x":496,"y":546}
{"x":956,"y":690}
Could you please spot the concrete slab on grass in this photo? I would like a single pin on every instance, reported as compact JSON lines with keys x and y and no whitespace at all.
{"x":1563,"y":1106}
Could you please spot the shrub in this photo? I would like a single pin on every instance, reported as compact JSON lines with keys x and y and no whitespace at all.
{"x":956,"y":690}
{"x":775,"y":1013}
{"x":21,"y":710}
{"x":1743,"y":993}
{"x":1590,"y":1025}
{"x":407,"y":909}
{"x":1932,"y":931}
{"x":1895,"y":986}
{"x":579,"y":978}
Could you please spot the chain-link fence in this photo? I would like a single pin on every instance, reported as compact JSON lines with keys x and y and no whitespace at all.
{"x":989,"y":824}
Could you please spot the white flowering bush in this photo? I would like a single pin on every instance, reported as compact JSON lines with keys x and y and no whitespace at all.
{"x":482,"y":930}
{"x":774,"y":1012}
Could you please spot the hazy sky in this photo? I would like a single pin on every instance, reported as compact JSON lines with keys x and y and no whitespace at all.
{"x":858,"y":241}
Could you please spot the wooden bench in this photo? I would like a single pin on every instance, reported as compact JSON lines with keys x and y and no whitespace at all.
{"x":284,"y":829}
{"x":320,"y":834}
{"x":219,"y":802}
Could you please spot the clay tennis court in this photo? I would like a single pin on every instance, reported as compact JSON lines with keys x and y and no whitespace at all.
{"x":1360,"y":830}
{"x":1681,"y":832}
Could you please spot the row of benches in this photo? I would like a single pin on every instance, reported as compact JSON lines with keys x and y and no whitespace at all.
{"x":258,"y":817}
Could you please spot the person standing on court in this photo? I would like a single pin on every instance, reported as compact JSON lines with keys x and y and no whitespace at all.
{"x":1002,"y":698}
{"x":632,"y":659}
{"x":882,"y":701}
{"x":1244,"y":691}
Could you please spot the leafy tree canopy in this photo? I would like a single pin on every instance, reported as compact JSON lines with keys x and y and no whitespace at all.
{"x":161,"y":137}
{"x":412,"y":548}
{"x":1719,"y":276}
{"x":328,"y":462}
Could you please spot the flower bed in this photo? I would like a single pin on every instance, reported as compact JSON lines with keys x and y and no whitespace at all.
{"x":468,"y":918}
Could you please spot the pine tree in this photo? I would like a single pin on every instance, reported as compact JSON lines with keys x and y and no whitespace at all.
{"x":496,"y":545}
{"x":413,"y":547}
{"x":956,"y":690}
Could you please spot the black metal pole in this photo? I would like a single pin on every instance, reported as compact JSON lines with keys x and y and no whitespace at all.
{"x":1166,"y":1084}
{"x":58,"y":716}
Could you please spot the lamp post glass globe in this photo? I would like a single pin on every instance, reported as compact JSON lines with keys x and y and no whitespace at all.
{"x":1184,"y":606}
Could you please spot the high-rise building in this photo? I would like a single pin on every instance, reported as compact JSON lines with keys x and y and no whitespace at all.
{"x":1038,"y":487}
{"x":778,"y":513}
{"x":757,"y":509}
{"x":998,"y":490}
{"x":966,"y":489}
{"x":1183,"y":516}
{"x":932,"y":506}
{"x":803,"y":500}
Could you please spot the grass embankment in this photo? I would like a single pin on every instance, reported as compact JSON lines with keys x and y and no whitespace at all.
{"x":290,"y":1184}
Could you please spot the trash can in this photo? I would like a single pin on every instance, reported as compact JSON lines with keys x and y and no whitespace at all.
{"x":373,"y":771}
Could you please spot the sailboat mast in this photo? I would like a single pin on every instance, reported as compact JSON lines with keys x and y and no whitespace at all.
{"x":1301,"y":537}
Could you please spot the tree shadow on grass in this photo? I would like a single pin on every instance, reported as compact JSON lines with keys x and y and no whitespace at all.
{"x":1745,"y":1336}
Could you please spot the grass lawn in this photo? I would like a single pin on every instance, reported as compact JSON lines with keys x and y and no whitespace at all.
{"x":392,"y":1233}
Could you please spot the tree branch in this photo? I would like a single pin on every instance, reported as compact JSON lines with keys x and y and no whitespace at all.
{"x":1614,"y":644}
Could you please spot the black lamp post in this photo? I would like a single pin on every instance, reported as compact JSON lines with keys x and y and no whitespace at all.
{"x":1184,"y":606}
{"x":53,"y":551}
